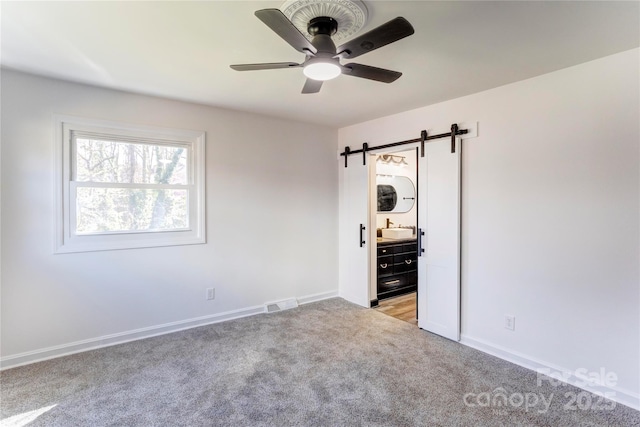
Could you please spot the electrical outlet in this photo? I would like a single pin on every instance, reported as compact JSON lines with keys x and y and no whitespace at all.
{"x":211,"y":293}
{"x":510,"y":322}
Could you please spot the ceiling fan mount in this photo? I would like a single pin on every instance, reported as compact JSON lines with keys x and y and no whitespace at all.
{"x":351,"y":15}
{"x":322,"y":25}
{"x":322,"y":61}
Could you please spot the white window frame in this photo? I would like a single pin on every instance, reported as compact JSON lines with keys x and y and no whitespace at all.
{"x":67,"y":241}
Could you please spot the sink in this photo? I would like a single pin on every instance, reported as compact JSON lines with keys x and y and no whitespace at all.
{"x":397,"y":233}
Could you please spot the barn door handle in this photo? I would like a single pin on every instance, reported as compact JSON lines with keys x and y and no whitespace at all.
{"x":362,"y":228}
{"x":420,"y":234}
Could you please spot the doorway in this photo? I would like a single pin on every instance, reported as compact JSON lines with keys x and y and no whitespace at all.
{"x":395,"y":256}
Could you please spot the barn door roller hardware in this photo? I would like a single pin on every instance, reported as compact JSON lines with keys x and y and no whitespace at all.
{"x":422,"y":140}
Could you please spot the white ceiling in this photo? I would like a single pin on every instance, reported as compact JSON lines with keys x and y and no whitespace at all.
{"x":183,"y":50}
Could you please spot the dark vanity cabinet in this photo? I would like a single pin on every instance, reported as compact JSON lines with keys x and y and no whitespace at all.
{"x":397,"y":268}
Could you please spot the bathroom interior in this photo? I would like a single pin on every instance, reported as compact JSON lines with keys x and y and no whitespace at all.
{"x":396,"y":246}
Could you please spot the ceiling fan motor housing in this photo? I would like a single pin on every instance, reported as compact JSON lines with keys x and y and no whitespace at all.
{"x":324,"y":64}
{"x":322,"y":28}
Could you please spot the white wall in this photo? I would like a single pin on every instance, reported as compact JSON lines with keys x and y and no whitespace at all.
{"x":550,"y":215}
{"x":272,"y":209}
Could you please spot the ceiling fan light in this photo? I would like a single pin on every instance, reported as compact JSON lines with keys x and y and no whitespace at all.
{"x":322,"y":71}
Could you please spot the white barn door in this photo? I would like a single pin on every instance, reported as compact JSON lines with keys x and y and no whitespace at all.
{"x":354,"y":232}
{"x":439,"y":219}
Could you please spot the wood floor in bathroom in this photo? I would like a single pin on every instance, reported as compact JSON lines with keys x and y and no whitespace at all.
{"x":402,"y":307}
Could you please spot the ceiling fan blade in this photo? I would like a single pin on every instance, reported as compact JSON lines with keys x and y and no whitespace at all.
{"x":390,"y":32}
{"x":312,"y":86}
{"x":371,"y":73}
{"x":280,"y":24}
{"x":264,"y":66}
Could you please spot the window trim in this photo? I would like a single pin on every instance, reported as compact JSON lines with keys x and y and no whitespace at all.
{"x":67,"y":241}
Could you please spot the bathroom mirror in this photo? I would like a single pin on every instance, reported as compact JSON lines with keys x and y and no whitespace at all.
{"x":396,"y":194}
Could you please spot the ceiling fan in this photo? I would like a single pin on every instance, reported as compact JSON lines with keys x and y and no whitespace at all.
{"x":322,"y":60}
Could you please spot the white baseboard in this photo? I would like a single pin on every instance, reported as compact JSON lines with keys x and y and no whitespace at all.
{"x":137,"y":334}
{"x":618,"y":395}
{"x":317,"y":297}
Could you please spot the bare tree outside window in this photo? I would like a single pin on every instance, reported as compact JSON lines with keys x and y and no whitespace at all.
{"x":124,"y":186}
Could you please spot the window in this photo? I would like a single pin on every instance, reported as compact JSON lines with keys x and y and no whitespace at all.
{"x":121,"y":186}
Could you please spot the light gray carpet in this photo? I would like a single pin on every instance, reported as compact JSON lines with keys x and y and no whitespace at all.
{"x":329,"y":363}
